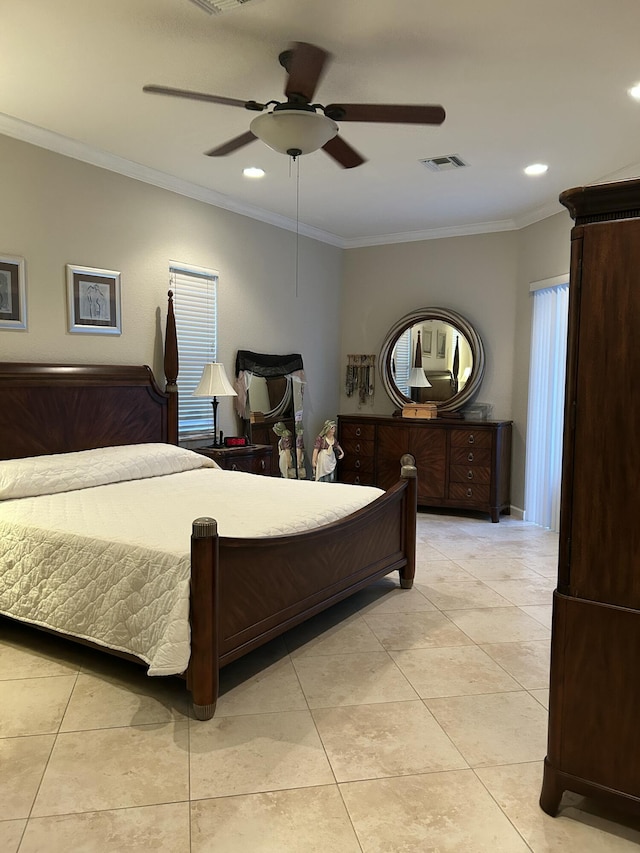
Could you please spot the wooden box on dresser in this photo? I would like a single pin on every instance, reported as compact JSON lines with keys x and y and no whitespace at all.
{"x":461,"y":464}
{"x":594,"y":701}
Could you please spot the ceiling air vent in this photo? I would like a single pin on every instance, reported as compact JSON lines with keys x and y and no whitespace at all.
{"x":217,"y":7}
{"x":444,"y":164}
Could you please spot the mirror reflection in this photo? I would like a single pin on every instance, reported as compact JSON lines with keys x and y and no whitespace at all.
{"x":432,"y":355}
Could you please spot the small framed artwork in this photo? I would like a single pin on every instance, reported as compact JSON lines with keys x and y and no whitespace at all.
{"x":13,"y":300}
{"x":93,"y":299}
{"x":442,"y":344}
{"x":427,"y":336}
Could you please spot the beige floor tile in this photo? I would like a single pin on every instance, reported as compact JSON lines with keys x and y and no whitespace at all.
{"x":321,"y":637}
{"x":459,"y":595}
{"x":497,"y":728}
{"x":115,"y":768}
{"x":22,"y":764}
{"x":416,"y":630}
{"x":545,"y":565}
{"x":439,"y":571}
{"x":133,"y":699}
{"x":360,"y":679}
{"x":542,"y":696}
{"x":256,"y":685}
{"x":10,"y":835}
{"x":540,"y":612}
{"x":460,"y":671}
{"x":499,"y":624}
{"x":251,"y":754}
{"x":497,"y":568}
{"x":392,"y":739}
{"x":527,"y":662}
{"x":307,"y":820}
{"x":445,"y":812}
{"x":32,"y":661}
{"x":575,"y":830}
{"x":164,"y":829}
{"x":525,"y":591}
{"x":396,"y":600}
{"x":34,"y":706}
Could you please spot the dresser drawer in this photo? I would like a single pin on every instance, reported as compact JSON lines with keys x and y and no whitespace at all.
{"x":471,"y":493}
{"x":358,"y":447}
{"x":356,"y":478}
{"x":471,"y":437}
{"x":470,"y":455}
{"x":252,"y":465}
{"x":469,"y":474}
{"x":357,"y":464}
{"x":354,"y":432}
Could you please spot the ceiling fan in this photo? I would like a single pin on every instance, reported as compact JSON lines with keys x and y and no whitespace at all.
{"x":297,"y":126}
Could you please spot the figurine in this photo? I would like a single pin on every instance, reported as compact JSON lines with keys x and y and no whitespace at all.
{"x":284,"y":448}
{"x":326,"y":452}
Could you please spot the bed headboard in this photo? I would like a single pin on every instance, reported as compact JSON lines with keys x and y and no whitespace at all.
{"x":58,"y":408}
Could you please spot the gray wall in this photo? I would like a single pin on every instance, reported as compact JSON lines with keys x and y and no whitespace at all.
{"x":56,"y":210}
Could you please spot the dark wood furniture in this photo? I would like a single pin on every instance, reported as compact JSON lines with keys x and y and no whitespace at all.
{"x":461,"y":464}
{"x":594,"y":702}
{"x":244,"y":592}
{"x":254,"y":458}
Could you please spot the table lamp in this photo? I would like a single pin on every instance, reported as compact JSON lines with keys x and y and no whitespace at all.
{"x":214,"y":383}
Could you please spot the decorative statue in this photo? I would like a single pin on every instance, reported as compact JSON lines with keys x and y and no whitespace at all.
{"x":326,"y":452}
{"x":284,"y":447}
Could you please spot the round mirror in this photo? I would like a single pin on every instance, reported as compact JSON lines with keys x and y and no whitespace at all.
{"x":432,"y":355}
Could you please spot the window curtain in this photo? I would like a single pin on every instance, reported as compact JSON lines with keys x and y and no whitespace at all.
{"x":546,"y":406}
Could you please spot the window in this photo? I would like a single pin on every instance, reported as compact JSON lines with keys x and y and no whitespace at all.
{"x":545,"y":417}
{"x":402,"y":362}
{"x":195,"y":292}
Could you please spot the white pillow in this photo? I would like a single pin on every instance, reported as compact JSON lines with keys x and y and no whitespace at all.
{"x":64,"y":472}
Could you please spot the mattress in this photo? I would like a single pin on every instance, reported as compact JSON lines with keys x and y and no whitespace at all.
{"x":96,"y":544}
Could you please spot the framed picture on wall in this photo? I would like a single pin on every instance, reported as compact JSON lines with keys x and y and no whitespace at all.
{"x":427,"y":336}
{"x":93,"y":300}
{"x":13,"y":299}
{"x":441,"y":344}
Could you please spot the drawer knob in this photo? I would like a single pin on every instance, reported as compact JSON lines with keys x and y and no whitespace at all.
{"x":357,"y":463}
{"x":358,"y":447}
{"x":234,"y":467}
{"x":469,"y":493}
{"x":470,"y":456}
{"x":469,"y":474}
{"x":358,"y":431}
{"x":471,"y":439}
{"x":357,"y":481}
{"x":262,"y":464}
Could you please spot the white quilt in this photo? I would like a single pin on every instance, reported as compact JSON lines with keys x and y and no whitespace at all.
{"x":96,"y":544}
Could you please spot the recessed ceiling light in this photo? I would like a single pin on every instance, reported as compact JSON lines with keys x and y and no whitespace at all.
{"x":634,"y":91}
{"x":253,"y":172}
{"x":536,"y":169}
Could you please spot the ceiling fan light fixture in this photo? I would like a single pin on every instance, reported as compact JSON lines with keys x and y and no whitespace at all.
{"x":218,"y":7}
{"x":294,"y":132}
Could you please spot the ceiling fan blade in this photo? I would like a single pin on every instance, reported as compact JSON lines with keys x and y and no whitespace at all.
{"x":305,"y":63}
{"x":194,"y":96}
{"x":343,"y":153}
{"x":388,"y":113}
{"x":232,"y":145}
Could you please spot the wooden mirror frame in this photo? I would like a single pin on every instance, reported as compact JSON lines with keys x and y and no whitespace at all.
{"x":472,"y":386}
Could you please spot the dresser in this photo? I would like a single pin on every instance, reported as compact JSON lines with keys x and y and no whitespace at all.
{"x":594,"y":697}
{"x":254,"y":458}
{"x":461,"y":464}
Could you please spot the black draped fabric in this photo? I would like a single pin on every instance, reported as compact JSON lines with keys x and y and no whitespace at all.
{"x":268,"y":365}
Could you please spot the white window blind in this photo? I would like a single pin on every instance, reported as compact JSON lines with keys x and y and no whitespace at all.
{"x":402,"y":362}
{"x":545,"y":418}
{"x":196,"y":325}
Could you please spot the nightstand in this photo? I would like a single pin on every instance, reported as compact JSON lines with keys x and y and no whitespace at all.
{"x":254,"y":458}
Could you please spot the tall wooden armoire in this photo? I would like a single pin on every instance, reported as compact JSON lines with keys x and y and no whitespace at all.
{"x":594,"y":703}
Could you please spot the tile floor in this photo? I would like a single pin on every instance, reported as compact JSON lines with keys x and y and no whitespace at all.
{"x":401,"y":720}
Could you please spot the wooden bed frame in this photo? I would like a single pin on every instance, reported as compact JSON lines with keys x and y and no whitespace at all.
{"x":244,"y":592}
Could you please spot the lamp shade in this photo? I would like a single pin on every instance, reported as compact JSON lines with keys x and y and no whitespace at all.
{"x":294,"y":131}
{"x":417,"y":379}
{"x":214,"y":382}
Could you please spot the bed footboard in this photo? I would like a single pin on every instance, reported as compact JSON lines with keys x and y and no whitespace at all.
{"x":245,"y":592}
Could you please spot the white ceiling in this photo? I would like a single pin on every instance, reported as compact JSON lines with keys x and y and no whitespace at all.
{"x":522,"y":82}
